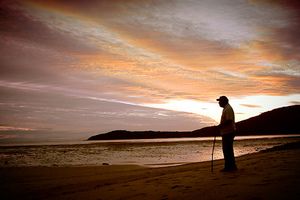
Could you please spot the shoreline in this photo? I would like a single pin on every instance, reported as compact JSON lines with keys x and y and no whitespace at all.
{"x":153,"y":140}
{"x":270,"y":174}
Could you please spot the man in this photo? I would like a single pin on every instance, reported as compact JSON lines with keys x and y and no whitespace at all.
{"x":227,"y":130}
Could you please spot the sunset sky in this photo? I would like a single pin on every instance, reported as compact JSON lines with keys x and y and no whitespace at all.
{"x":89,"y":67}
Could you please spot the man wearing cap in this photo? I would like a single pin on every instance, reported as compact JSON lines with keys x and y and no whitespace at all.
{"x":227,"y":130}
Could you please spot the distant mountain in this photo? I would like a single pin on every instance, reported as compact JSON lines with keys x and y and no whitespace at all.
{"x":285,"y":120}
{"x":123,"y":134}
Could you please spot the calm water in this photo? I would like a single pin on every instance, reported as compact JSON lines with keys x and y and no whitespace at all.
{"x":149,"y":152}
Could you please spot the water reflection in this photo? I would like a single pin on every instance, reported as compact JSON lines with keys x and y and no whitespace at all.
{"x":154,"y":152}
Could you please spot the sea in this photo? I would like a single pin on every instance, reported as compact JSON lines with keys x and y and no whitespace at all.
{"x":144,"y":152}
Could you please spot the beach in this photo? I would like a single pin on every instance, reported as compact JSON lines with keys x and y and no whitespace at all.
{"x":271,"y":174}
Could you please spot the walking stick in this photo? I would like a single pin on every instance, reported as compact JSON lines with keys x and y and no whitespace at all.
{"x":212,"y":155}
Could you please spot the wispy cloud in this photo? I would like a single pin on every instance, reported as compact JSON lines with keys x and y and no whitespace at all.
{"x":251,"y":105}
{"x":46,"y":107}
{"x":11,"y":128}
{"x":295,"y":102}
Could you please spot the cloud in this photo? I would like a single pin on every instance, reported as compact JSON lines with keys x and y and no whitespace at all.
{"x":230,"y":22}
{"x":51,"y":110}
{"x":285,"y":80}
{"x":284,"y":40}
{"x":250,"y":106}
{"x":295,"y":102}
{"x":19,"y":25}
{"x":31,"y":51}
{"x":178,"y":49}
{"x":11,"y":128}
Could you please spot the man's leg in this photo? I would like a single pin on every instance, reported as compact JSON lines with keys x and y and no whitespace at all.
{"x":227,"y":146}
{"x":231,"y":153}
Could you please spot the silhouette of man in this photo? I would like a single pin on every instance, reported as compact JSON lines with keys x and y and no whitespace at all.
{"x":227,"y":130}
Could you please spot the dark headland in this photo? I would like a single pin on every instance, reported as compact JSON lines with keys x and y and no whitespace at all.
{"x":283,"y":120}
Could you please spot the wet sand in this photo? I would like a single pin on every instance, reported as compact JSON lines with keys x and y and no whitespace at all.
{"x":271,"y":174}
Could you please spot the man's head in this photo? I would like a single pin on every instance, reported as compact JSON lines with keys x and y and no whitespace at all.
{"x":223,"y":101}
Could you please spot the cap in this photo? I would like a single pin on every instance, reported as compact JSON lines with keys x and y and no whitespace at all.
{"x":222,"y":98}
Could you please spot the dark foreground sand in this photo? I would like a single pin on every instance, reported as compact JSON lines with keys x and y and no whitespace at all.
{"x":266,"y":175}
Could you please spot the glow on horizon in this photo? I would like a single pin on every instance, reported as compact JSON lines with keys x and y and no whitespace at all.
{"x":244,"y":107}
{"x":211,"y":110}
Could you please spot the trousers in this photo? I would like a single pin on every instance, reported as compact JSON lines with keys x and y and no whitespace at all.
{"x":227,"y":147}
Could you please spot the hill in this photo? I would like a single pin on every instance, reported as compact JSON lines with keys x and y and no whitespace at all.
{"x":283,"y":120}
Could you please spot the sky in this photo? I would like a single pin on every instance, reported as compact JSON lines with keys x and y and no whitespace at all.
{"x":79,"y":68}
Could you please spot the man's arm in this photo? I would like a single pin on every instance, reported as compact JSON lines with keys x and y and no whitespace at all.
{"x":225,"y":123}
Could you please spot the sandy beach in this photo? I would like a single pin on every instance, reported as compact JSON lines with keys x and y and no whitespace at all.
{"x":273,"y":174}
